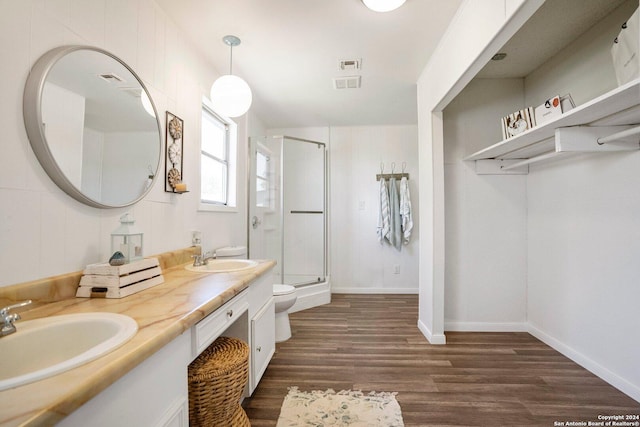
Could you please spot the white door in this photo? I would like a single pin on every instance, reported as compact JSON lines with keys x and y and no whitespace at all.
{"x":261,"y":198}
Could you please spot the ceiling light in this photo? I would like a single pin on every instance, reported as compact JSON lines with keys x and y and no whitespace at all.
{"x":146,"y":103}
{"x":230,"y":95}
{"x":383,"y":5}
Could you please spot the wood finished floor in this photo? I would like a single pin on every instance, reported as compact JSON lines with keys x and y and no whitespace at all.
{"x":371,"y":342}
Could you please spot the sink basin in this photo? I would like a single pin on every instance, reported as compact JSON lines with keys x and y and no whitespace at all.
{"x":224,"y":266}
{"x":48,"y":346}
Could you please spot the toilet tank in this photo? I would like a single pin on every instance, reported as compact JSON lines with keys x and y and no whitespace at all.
{"x":232,"y":252}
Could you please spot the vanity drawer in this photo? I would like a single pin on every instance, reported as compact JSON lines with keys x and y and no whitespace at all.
{"x":212,"y":326}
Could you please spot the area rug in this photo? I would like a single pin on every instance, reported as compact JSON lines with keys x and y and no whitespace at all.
{"x":344,"y":408}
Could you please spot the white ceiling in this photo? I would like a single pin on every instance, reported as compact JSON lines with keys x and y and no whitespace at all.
{"x":290,"y":51}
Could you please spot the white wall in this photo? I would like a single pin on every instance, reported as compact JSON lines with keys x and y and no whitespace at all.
{"x":486,"y":216}
{"x":92,"y":147}
{"x":584,"y":228}
{"x":43,"y":231}
{"x":125,"y":177}
{"x":63,"y":122}
{"x":357,"y":261}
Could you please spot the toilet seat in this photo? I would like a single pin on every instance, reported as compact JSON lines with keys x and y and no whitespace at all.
{"x":279,"y":290}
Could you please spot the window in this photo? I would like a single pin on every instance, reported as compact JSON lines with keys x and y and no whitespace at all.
{"x":218,"y":145}
{"x":262,"y":180}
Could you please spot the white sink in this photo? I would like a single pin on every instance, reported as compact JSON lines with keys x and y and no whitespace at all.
{"x":48,"y":346}
{"x":224,"y":266}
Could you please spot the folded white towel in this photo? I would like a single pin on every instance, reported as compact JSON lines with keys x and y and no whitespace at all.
{"x":383,"y":214}
{"x":395,"y":223}
{"x":405,"y":210}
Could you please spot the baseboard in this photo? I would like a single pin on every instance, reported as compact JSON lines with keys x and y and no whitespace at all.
{"x":485,"y":326}
{"x":358,"y":290}
{"x":615,"y":380}
{"x":433,"y":339}
{"x":310,"y":296}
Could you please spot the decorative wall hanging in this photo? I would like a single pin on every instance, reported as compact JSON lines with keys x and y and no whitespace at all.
{"x":173,"y":155}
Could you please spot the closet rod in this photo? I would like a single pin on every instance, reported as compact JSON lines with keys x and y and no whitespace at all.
{"x":619,"y":135}
{"x":379,"y":176}
{"x":535,"y":159}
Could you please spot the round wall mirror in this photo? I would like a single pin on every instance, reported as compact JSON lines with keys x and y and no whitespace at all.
{"x":93,"y":126}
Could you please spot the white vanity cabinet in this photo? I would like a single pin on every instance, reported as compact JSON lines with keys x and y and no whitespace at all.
{"x":155,"y":393}
{"x":262,"y":327}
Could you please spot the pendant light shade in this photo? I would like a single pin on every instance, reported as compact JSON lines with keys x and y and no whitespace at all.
{"x":230,"y":95}
{"x":146,"y":103}
{"x":383,"y":5}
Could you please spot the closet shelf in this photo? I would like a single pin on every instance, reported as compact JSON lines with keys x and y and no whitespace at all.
{"x":606,"y":123}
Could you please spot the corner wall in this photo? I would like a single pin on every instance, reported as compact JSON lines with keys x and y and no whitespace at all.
{"x":486,"y":216}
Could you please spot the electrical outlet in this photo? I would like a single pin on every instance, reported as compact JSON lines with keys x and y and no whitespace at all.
{"x":396,"y":269}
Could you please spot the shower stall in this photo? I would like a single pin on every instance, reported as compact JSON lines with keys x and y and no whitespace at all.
{"x":288,"y":208}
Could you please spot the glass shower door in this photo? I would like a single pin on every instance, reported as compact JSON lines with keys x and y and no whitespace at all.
{"x":303,"y":211}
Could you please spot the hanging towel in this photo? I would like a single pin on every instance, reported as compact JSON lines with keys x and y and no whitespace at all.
{"x":395,"y":223}
{"x":405,"y":210}
{"x":383,"y":216}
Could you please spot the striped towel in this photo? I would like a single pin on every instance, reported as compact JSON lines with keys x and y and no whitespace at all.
{"x":395,"y":232}
{"x":405,"y":210}
{"x":383,"y":216}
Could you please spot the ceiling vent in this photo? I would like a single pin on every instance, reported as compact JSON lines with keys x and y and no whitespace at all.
{"x":111,"y":78}
{"x":349,"y":64}
{"x":348,"y":82}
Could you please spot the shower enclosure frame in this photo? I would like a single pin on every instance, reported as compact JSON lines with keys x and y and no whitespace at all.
{"x":325,"y":203}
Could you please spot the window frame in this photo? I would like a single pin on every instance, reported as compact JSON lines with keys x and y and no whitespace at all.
{"x":231,"y":151}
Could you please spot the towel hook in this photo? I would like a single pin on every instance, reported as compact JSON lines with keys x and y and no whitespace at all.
{"x":393,"y":167}
{"x":404,"y":165}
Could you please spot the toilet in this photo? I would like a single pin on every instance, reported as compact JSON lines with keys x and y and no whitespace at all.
{"x":232,"y":252}
{"x":284,"y":297}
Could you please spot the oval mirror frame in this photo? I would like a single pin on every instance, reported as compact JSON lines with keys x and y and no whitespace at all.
{"x":32,"y":112}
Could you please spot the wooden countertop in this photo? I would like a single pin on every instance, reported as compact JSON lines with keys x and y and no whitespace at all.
{"x":162,"y":313}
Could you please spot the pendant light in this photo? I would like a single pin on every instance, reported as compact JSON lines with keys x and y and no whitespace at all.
{"x":383,"y":5}
{"x":230,"y":95}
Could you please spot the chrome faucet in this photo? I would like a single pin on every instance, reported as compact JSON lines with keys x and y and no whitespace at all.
{"x":7,"y":320}
{"x":200,"y":260}
{"x":206,"y":258}
{"x":197,"y":260}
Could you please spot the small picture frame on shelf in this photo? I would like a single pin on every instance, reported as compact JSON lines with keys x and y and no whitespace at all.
{"x":517,"y":122}
{"x":173,"y":154}
{"x":566,"y":102}
{"x":553,"y":108}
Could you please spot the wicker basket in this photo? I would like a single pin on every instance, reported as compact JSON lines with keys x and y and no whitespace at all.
{"x":216,"y":381}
